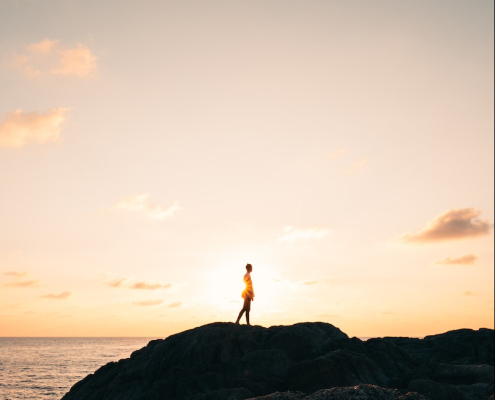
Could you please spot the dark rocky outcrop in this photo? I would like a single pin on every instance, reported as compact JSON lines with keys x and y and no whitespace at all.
{"x":360,"y":392}
{"x":307,"y":361}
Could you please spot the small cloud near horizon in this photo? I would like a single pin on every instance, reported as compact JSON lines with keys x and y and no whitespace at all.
{"x":467,"y":259}
{"x":141,"y":203}
{"x":24,"y":284}
{"x":147,"y":303}
{"x":469,"y":294}
{"x":150,"y":286}
{"x":352,"y":169}
{"x":116,"y":283}
{"x":175,"y":305}
{"x":454,"y":224}
{"x":60,"y":296}
{"x":292,"y":234}
{"x":19,"y":129}
{"x":16,"y":274}
{"x":297,"y":285}
{"x":337,"y":154}
{"x":50,"y":57}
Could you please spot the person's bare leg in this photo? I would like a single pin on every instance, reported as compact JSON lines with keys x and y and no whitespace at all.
{"x":247,"y":317}
{"x":240,"y":316}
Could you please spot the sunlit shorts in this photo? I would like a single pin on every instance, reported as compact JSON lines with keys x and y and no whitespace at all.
{"x":247,"y":304}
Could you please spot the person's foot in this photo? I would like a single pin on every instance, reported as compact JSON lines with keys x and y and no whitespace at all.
{"x":237,"y":322}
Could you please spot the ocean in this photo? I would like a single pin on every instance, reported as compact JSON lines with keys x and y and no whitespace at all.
{"x":46,"y":368}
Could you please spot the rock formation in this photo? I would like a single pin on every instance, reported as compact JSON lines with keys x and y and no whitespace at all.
{"x":361,"y":392}
{"x":307,"y":361}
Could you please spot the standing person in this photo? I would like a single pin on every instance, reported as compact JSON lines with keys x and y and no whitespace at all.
{"x":247,"y":294}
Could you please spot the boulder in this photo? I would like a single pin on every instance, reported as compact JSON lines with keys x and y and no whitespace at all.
{"x":436,"y":390}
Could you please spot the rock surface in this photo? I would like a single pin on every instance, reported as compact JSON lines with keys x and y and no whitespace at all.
{"x":307,"y":361}
{"x":360,"y":392}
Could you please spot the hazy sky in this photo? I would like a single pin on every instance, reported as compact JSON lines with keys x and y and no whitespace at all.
{"x":149,"y":150}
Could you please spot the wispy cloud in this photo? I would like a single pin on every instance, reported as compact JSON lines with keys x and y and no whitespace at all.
{"x":353,"y":168}
{"x":18,"y":282}
{"x":298,"y":285}
{"x":311,"y":283}
{"x":116,"y":283}
{"x":24,"y":284}
{"x":147,"y":303}
{"x":467,"y":259}
{"x":59,"y":296}
{"x":469,"y":294}
{"x":175,"y":305}
{"x":50,"y":57}
{"x":12,"y":306}
{"x":19,"y":129}
{"x":337,"y":154}
{"x":451,"y":225}
{"x":16,"y":274}
{"x":141,"y":203}
{"x":150,"y":286}
{"x":292,"y":234}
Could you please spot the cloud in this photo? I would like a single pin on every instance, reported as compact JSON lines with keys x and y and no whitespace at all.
{"x":146,"y":303}
{"x":352,"y":169}
{"x":50,"y":57}
{"x":297,"y":285}
{"x":60,"y":296}
{"x":150,"y":286}
{"x":78,"y":61}
{"x":455,"y":224}
{"x":16,"y":274}
{"x":10,"y":306}
{"x":175,"y":305}
{"x":19,"y":129}
{"x":141,"y":203}
{"x":310,"y":283}
{"x":467,"y":259}
{"x":24,"y":284}
{"x":469,"y":294}
{"x":337,"y":154}
{"x":46,"y":46}
{"x":116,"y":283}
{"x":292,"y":234}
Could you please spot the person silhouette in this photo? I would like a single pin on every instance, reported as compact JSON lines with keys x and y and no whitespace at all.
{"x":247,"y":295}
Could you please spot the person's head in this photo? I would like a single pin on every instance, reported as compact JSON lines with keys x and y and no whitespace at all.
{"x":249,"y":267}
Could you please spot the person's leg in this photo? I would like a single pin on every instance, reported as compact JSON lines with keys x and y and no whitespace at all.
{"x":244,"y":308}
{"x":248,"y":310}
{"x":240,"y":315}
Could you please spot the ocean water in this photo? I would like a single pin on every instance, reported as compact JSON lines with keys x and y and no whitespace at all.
{"x":46,"y":368}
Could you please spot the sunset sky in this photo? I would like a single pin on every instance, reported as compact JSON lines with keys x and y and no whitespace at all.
{"x":150,"y":149}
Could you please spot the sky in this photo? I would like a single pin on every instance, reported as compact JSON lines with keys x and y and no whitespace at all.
{"x":149,"y":150}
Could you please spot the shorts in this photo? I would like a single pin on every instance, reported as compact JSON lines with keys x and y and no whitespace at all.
{"x":247,"y":304}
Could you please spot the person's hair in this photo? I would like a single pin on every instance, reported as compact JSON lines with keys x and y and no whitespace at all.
{"x":249,"y":267}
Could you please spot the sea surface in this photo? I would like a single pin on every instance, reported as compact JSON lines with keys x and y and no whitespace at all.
{"x":46,"y":368}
